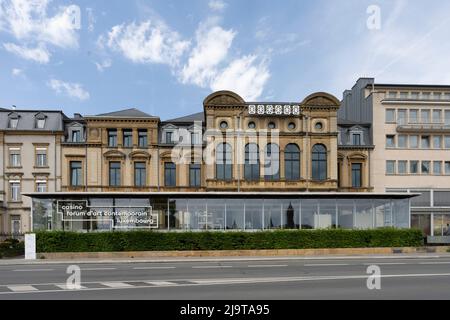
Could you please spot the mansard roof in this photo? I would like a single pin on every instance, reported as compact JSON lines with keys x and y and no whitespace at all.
{"x":126,"y":113}
{"x":200,"y":116}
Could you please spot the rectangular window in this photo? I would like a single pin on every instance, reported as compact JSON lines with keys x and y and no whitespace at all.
{"x":195,"y":138}
{"x":169,"y":137}
{"x":112,"y":138}
{"x":195,"y":175}
{"x":437,"y":116}
{"x":447,"y":167}
{"x":15,"y":190}
{"x":392,"y":95}
{"x":127,"y":138}
{"x":426,"y":95}
{"x":437,"y":142}
{"x":425,"y":116}
{"x":356,"y":175}
{"x":426,"y":167}
{"x":403,"y":95}
{"x":142,"y":137}
{"x":170,"y":178}
{"x":140,"y":174}
{"x":356,"y":139}
{"x":437,"y":95}
{"x":446,"y":96}
{"x":437,"y":168}
{"x":402,"y":167}
{"x":413,"y":142}
{"x":415,"y":95}
{"x":425,"y":142}
{"x":41,"y":157}
{"x":76,"y":136}
{"x":402,"y":141}
{"x":401,"y":117}
{"x":14,"y":157}
{"x":447,"y":117}
{"x":390,"y":167}
{"x":114,"y":174}
{"x":13,"y":122}
{"x":447,"y":142}
{"x":390,"y":141}
{"x":414,"y":116}
{"x":390,"y":115}
{"x":75,"y":173}
{"x":414,"y":167}
{"x":41,"y":186}
{"x":40,"y":123}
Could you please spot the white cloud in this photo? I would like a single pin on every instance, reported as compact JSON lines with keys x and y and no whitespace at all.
{"x":73,"y":90}
{"x":39,"y":54}
{"x":217,"y":5}
{"x":213,"y":44}
{"x":29,"y":23}
{"x":146,"y":43}
{"x":105,"y":64}
{"x":16,"y":72}
{"x":244,"y":76}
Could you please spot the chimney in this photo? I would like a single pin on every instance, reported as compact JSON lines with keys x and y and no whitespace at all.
{"x":77,"y":116}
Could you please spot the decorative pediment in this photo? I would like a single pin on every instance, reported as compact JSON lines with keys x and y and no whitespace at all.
{"x":357,"y":156}
{"x":114,"y":154}
{"x":169,"y":126}
{"x":223,"y":98}
{"x":321,"y":99}
{"x":40,"y":115}
{"x":139,"y":154}
{"x":75,"y":125}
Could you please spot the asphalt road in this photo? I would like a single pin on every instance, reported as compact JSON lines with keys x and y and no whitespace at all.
{"x":420,"y":277}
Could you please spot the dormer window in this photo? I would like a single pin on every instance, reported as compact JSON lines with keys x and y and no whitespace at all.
{"x":40,"y":121}
{"x":356,"y":140}
{"x":356,"y":137}
{"x":13,"y":121}
{"x":76,"y":136}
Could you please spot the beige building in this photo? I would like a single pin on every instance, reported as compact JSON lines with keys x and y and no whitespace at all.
{"x":30,"y":151}
{"x":411,"y":132}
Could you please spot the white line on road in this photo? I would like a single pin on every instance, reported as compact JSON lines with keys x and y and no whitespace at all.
{"x":268,"y":266}
{"x":385,"y":263}
{"x":160,"y":283}
{"x":98,"y":269}
{"x":22,"y":288}
{"x":33,"y":270}
{"x":327,"y":265}
{"x":211,"y":267}
{"x":64,"y":287}
{"x":153,"y":268}
{"x":117,"y":285}
{"x":434,"y":263}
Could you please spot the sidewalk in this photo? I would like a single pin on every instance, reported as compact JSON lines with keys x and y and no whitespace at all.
{"x":22,"y":261}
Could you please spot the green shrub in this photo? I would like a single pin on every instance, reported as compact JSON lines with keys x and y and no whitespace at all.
{"x":184,"y":241}
{"x":11,"y":248}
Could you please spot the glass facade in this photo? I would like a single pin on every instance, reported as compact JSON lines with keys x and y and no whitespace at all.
{"x":201,"y":212}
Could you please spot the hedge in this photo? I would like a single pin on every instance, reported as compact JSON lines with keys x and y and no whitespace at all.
{"x":11,"y":248}
{"x":184,"y":241}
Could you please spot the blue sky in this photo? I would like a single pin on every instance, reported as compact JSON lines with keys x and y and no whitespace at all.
{"x":165,"y":56}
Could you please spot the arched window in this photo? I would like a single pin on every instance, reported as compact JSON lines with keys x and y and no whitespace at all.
{"x":319,"y":162}
{"x":292,"y":162}
{"x":272,"y":162}
{"x":224,"y":162}
{"x":251,"y":167}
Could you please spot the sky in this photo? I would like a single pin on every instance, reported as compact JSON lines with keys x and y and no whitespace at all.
{"x":165,"y":57}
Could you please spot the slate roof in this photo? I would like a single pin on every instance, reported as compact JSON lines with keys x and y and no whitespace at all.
{"x":27,"y":120}
{"x":127,"y":113}
{"x":200,"y":116}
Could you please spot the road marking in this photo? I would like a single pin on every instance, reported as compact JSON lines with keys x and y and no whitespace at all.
{"x":161,"y":283}
{"x":117,"y":285}
{"x":267,"y":266}
{"x":98,"y":269}
{"x":327,"y":265}
{"x":211,"y":267}
{"x":33,"y":270}
{"x":385,"y":263}
{"x":22,"y":288}
{"x":153,"y":268}
{"x":28,"y":289}
{"x":64,"y":287}
{"x":434,"y":263}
